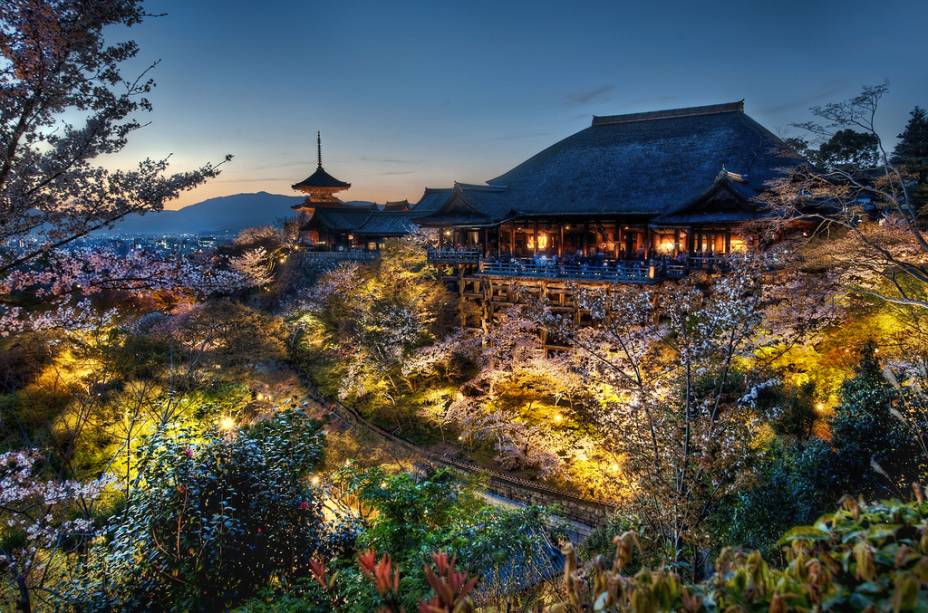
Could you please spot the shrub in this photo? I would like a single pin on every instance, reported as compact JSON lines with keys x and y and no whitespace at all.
{"x":863,"y":557}
{"x":208,"y":524}
{"x":875,"y":453}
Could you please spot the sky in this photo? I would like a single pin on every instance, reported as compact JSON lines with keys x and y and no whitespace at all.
{"x":416,"y":94}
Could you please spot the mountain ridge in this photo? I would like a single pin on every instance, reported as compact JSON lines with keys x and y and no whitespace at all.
{"x":219,"y":215}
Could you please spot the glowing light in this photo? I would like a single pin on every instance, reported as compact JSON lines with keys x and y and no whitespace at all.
{"x":226,"y":423}
{"x":614,"y":467}
{"x":820,"y":407}
{"x":558,"y":418}
{"x":315,"y":480}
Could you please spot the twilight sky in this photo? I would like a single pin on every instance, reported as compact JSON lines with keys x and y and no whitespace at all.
{"x":409,"y":94}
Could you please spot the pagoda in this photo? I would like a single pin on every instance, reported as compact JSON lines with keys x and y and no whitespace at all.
{"x":320,"y":187}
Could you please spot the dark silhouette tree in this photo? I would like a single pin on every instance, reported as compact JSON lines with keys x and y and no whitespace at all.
{"x":848,"y":150}
{"x":911,"y":153}
{"x":876,"y":455}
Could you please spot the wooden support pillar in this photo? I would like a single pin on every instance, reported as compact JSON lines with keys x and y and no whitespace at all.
{"x":647,"y":241}
{"x":486,"y":243}
{"x":727,"y":241}
{"x":462,"y":314}
{"x":676,"y":242}
{"x":535,"y":239}
{"x":615,"y":241}
{"x":585,"y":231}
{"x":560,"y":241}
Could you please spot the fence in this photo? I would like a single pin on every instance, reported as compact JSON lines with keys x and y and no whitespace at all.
{"x":454,"y":256}
{"x":587,"y":512}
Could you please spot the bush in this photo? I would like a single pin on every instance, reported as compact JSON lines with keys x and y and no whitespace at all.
{"x":209,"y":523}
{"x":875,"y":453}
{"x":870,"y":557}
{"x":509,"y":550}
{"x":795,"y":485}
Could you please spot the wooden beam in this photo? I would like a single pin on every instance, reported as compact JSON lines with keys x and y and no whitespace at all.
{"x":615,"y":241}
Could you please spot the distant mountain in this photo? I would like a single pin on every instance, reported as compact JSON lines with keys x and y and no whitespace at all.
{"x":225,"y":214}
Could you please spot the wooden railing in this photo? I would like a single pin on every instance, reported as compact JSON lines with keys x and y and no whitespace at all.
{"x":342,"y":256}
{"x":454,"y":256}
{"x":621,"y":271}
{"x":615,"y":272}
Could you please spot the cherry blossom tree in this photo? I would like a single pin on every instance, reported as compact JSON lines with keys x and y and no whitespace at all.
{"x":255,"y":265}
{"x":668,"y":359}
{"x":40,"y":518}
{"x":67,"y":281}
{"x":56,"y":66}
{"x":882,"y":247}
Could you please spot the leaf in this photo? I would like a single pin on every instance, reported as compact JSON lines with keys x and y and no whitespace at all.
{"x":805,"y":533}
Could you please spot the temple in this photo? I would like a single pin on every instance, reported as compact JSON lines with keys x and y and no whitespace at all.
{"x":630,"y":192}
{"x":631,"y":198}
{"x":328,"y":224}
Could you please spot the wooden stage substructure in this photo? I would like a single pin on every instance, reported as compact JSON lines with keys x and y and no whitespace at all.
{"x":481,"y":298}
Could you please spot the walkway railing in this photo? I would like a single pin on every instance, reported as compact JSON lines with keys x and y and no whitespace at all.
{"x":615,"y":272}
{"x":342,"y":256}
{"x":590,"y":269}
{"x":454,"y":256}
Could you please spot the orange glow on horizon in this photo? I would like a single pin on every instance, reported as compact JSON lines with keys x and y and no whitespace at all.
{"x":218,"y":188}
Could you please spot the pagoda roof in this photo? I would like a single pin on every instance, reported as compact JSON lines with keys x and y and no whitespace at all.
{"x":321,"y":178}
{"x":363,"y":221}
{"x":653,"y":164}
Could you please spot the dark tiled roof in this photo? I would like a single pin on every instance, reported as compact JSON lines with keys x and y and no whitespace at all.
{"x":320,"y":178}
{"x":363,"y":220}
{"x":397,"y":205}
{"x":386,"y":223}
{"x":432,"y":200}
{"x":690,"y":111}
{"x":341,"y":219}
{"x":706,"y":218}
{"x":647,"y":164}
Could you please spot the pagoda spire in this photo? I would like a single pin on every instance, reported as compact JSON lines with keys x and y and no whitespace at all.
{"x":320,"y":186}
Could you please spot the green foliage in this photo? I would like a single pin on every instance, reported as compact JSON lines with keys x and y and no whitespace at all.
{"x":209,"y":523}
{"x":135,"y":356}
{"x":409,"y":509}
{"x":415,"y":516}
{"x":303,"y":596}
{"x":870,"y":557}
{"x":601,"y":541}
{"x":794,"y":485}
{"x":849,"y":150}
{"x":911,"y":152}
{"x":875,"y":453}
{"x":872,"y":453}
{"x":793,"y":410}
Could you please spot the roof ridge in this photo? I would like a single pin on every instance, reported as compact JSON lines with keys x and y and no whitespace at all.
{"x":479,"y":187}
{"x":689,"y":111}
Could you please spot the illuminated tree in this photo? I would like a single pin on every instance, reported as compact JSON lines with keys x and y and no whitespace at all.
{"x":669,"y":359}
{"x":56,"y":66}
{"x":44,"y":520}
{"x":883,"y":251}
